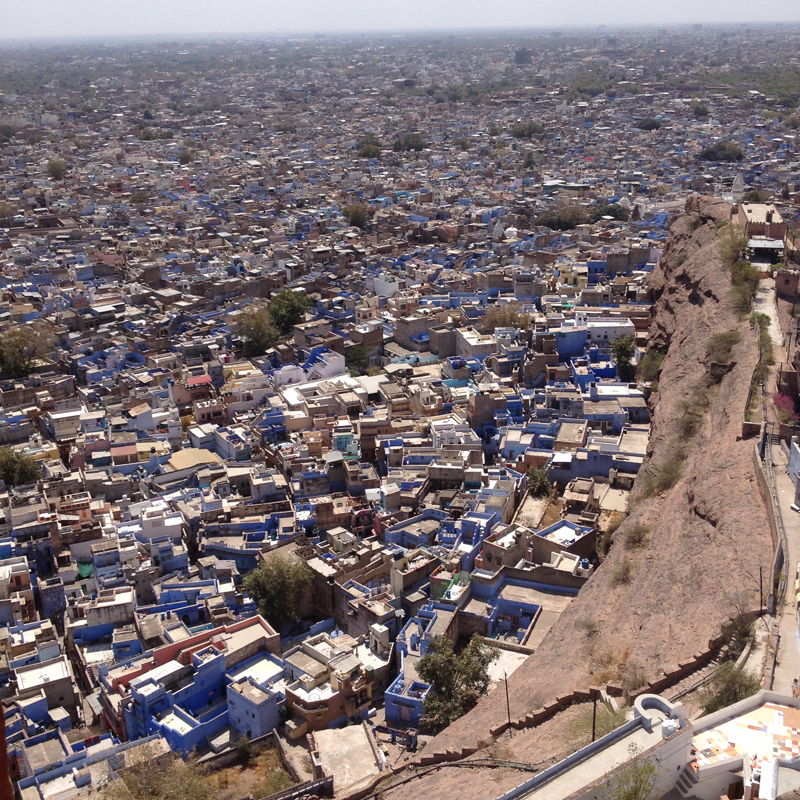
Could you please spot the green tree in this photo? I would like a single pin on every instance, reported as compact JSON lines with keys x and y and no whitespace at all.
{"x":648,"y":124}
{"x":369,"y":151}
{"x":185,"y":156}
{"x":614,"y":210}
{"x":140,"y":198}
{"x":505,"y":315}
{"x":368,"y":146}
{"x":756,"y":196}
{"x":622,"y":348}
{"x":729,"y":685}
{"x":368,"y":139}
{"x":733,"y":241}
{"x":168,"y":777}
{"x":20,"y":347}
{"x":409,"y":141}
{"x":256,"y":328}
{"x":721,"y":151}
{"x":528,"y":130}
{"x":530,"y":160}
{"x":539,"y":482}
{"x":564,"y":218}
{"x":287,"y":308}
{"x":698,"y":109}
{"x":56,"y":168}
{"x":636,"y":779}
{"x":7,"y":133}
{"x":356,"y":215}
{"x":357,"y":358}
{"x":17,"y":469}
{"x":457,"y":681}
{"x":651,"y":364}
{"x":461,"y":144}
{"x":278,"y":587}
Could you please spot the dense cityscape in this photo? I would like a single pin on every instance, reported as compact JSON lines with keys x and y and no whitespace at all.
{"x":376,"y":405}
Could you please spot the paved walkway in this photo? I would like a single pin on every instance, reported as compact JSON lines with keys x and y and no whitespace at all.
{"x":788,"y":666}
{"x":788,"y":661}
{"x":764,"y":303}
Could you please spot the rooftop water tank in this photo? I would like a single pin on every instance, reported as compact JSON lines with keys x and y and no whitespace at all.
{"x":669,"y":727}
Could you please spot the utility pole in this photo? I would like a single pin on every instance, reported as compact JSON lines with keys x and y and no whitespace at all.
{"x":508,"y":703}
{"x":761,"y":589}
{"x":594,"y":714}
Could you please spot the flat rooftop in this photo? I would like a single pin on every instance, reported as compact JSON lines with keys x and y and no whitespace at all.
{"x":38,"y":674}
{"x":262,"y":671}
{"x":769,"y":731}
{"x":563,"y":535}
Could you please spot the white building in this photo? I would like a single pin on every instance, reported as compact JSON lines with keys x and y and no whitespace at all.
{"x":386,"y":285}
{"x":606,"y":329}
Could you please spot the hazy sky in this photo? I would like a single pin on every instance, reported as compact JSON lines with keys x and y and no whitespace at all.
{"x":35,"y":18}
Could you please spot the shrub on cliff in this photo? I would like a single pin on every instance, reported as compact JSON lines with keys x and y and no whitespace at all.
{"x":651,"y":364}
{"x":730,"y":685}
{"x":744,"y":278}
{"x":721,"y":345}
{"x":733,"y":240}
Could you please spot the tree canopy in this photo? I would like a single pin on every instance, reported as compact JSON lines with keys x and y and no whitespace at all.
{"x":356,"y":215}
{"x":539,"y":484}
{"x":505,"y":315}
{"x":528,"y":130}
{"x":17,"y":469}
{"x":409,"y":141}
{"x":368,"y":146}
{"x":733,"y":241}
{"x":21,"y":346}
{"x":166,"y":778}
{"x":729,"y":685}
{"x":563,"y":219}
{"x":260,"y":326}
{"x":648,"y":124}
{"x":256,"y":328}
{"x":458,"y":680}
{"x":636,"y":779}
{"x":287,"y":308}
{"x":614,"y":210}
{"x":277,"y":587}
{"x":622,"y":348}
{"x":756,"y":196}
{"x":357,"y":359}
{"x":56,"y":168}
{"x":721,"y":151}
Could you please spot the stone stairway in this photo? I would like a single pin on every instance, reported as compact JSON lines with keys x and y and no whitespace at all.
{"x":686,"y":782}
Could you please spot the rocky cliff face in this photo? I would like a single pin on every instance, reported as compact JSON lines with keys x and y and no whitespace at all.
{"x":704,"y":538}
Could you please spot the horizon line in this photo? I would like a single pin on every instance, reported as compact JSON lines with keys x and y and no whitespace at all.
{"x":395,"y":32}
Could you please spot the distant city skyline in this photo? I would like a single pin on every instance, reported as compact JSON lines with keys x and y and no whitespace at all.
{"x":82,"y":18}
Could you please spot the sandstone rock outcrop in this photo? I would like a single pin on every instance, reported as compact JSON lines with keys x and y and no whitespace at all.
{"x":707,"y":535}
